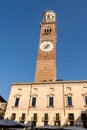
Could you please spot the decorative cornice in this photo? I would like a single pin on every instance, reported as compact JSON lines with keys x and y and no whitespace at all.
{"x":50,"y":82}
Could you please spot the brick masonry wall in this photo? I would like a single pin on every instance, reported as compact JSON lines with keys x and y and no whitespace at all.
{"x":46,"y":61}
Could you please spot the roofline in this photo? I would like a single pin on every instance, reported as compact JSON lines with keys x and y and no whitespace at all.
{"x":50,"y":82}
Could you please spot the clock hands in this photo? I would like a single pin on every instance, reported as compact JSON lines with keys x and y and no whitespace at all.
{"x":46,"y":46}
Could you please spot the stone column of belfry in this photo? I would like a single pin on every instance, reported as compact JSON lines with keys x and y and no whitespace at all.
{"x":46,"y":60}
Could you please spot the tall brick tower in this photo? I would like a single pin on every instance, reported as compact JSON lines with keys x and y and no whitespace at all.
{"x":46,"y":60}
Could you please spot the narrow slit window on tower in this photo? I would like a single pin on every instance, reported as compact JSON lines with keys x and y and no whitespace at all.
{"x":50,"y":30}
{"x":45,"y":31}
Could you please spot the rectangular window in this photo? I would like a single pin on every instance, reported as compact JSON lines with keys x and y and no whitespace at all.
{"x":85,"y":100}
{"x":35,"y":116}
{"x":34,"y":121}
{"x":57,"y":116}
{"x":50,"y":101}
{"x":45,"y":123}
{"x":17,"y":102}
{"x":46,"y":117}
{"x":22,"y":119}
{"x":23,"y":116}
{"x":13,"y":116}
{"x":69,"y":101}
{"x":83,"y":117}
{"x":34,"y":101}
{"x":33,"y":124}
{"x":70,"y":116}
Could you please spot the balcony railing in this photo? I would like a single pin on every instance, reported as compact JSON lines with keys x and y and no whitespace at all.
{"x":56,"y":118}
{"x":34,"y":119}
{"x":21,"y":119}
{"x":45,"y":119}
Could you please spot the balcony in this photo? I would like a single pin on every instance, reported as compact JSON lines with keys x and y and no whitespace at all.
{"x":34,"y":118}
{"x":56,"y":118}
{"x":70,"y":106}
{"x":22,"y":120}
{"x":45,"y":119}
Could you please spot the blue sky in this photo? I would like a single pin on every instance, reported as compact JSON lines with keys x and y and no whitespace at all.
{"x":19,"y":37}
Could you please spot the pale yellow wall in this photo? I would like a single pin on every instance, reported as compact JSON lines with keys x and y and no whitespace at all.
{"x":42,"y":90}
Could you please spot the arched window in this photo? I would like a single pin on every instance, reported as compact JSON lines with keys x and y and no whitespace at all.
{"x":48,"y":16}
{"x":47,"y":31}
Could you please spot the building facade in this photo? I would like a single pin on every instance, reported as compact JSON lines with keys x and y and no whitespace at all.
{"x":3,"y":104}
{"x":48,"y":101}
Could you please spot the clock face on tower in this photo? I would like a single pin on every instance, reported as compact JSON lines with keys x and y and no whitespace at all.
{"x":46,"y":46}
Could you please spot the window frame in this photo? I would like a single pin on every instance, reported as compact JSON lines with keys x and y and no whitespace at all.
{"x":71,"y":116}
{"x":17,"y":99}
{"x":51,"y":101}
{"x":33,"y":103}
{"x":13,"y":116}
{"x":50,"y":96}
{"x":69,"y":100}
